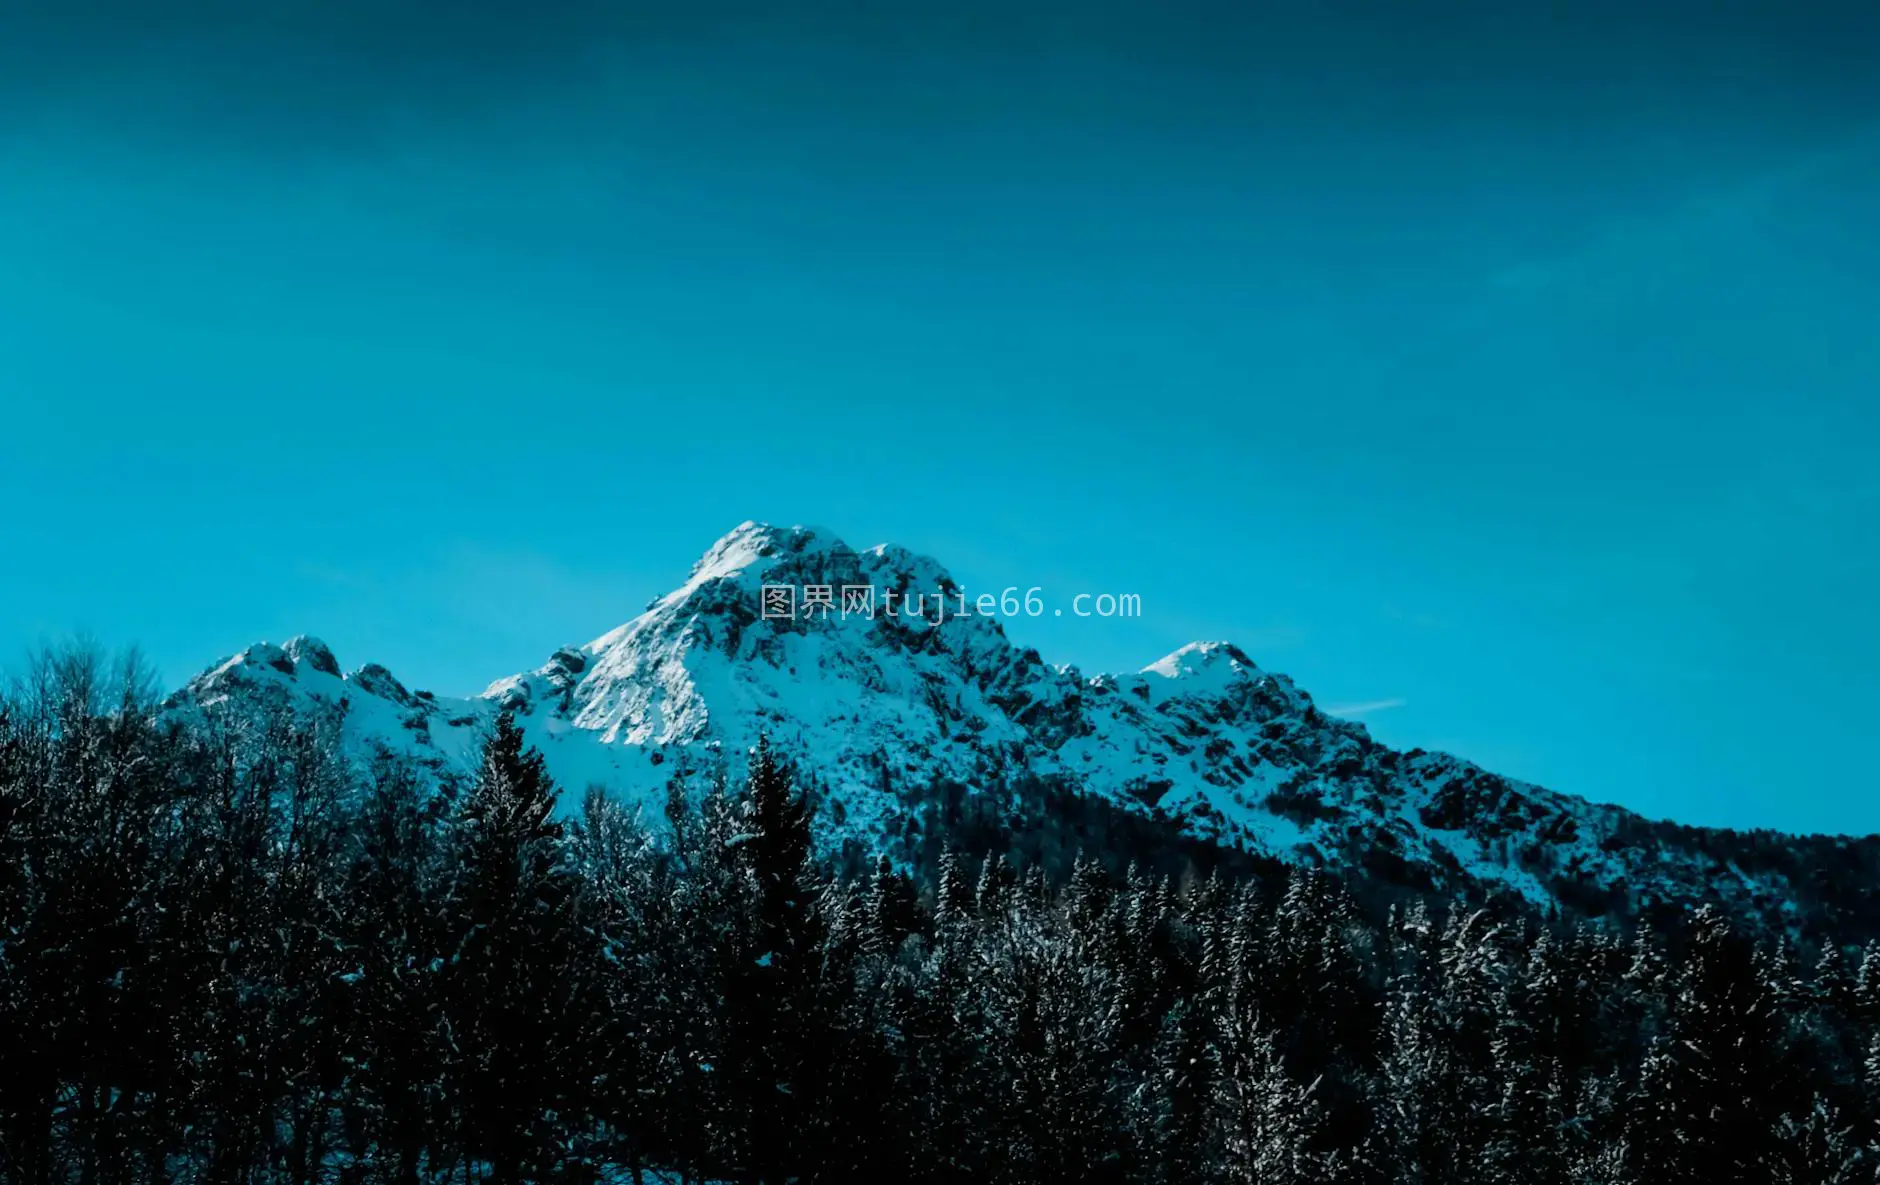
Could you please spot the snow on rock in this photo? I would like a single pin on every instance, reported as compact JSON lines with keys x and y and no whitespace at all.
{"x":1204,"y":736}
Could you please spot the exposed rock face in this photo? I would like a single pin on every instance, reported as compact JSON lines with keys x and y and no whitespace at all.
{"x":872,"y":702}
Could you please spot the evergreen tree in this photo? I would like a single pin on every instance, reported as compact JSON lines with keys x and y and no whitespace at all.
{"x":1174,"y":1106}
{"x":622,"y":1024}
{"x":1266,"y":1121}
{"x":1714,"y":1087}
{"x":995,"y":884}
{"x":1816,"y":1148}
{"x":510,"y":943}
{"x":892,"y":907}
{"x":951,"y":900}
{"x":771,"y":1003}
{"x":1866,"y":991}
{"x":394,"y":934}
{"x":227,"y":956}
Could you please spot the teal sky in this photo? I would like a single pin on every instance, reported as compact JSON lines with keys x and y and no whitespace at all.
{"x":1513,"y":370}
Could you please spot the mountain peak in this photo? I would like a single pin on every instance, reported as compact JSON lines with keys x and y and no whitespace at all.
{"x":886,"y":712}
{"x":877,"y":705}
{"x":303,"y":648}
{"x":1203,"y":658}
{"x":751,"y":544}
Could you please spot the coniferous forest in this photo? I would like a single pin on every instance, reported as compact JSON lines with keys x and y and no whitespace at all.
{"x":228,"y":955}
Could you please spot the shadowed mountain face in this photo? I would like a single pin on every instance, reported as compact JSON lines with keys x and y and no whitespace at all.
{"x":897,"y":686}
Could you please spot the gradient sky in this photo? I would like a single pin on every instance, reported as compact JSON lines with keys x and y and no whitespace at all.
{"x":1507,"y":371}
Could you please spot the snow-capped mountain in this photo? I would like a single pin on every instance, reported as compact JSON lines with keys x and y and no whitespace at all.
{"x":875,"y":702}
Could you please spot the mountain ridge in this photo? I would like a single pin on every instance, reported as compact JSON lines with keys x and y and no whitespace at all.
{"x":875,"y":704}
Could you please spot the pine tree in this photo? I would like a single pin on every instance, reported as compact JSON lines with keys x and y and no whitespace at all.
{"x":620,"y":1021}
{"x":510,"y":939}
{"x":1415,"y":1070}
{"x":1831,"y":987}
{"x":394,"y":931}
{"x":775,"y":849}
{"x":1714,"y":1087}
{"x":1052,"y":1029}
{"x":772,"y":1002}
{"x":892,"y":908}
{"x":1265,"y":1121}
{"x":1816,"y":1148}
{"x":226,"y":958}
{"x":951,"y":900}
{"x":1866,"y":1000}
{"x":1533,"y":1113}
{"x":995,"y":883}
{"x":1170,"y":1108}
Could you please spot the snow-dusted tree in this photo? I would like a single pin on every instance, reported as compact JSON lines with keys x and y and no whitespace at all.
{"x":1816,"y":1147}
{"x":1713,"y":1087}
{"x":994,"y":888}
{"x":509,"y":961}
{"x":771,"y":1004}
{"x":393,"y":924}
{"x":891,"y":907}
{"x":951,"y":899}
{"x":1174,"y":1103}
{"x":1264,"y":1121}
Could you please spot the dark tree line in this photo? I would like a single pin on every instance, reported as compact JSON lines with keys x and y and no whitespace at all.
{"x":225,"y":956}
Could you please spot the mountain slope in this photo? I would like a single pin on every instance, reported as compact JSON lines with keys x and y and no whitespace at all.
{"x":876,"y":704}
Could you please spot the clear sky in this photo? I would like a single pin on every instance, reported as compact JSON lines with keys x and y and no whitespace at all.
{"x":1508,"y":370}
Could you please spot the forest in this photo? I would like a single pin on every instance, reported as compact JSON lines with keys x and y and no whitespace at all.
{"x":229,"y":954}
